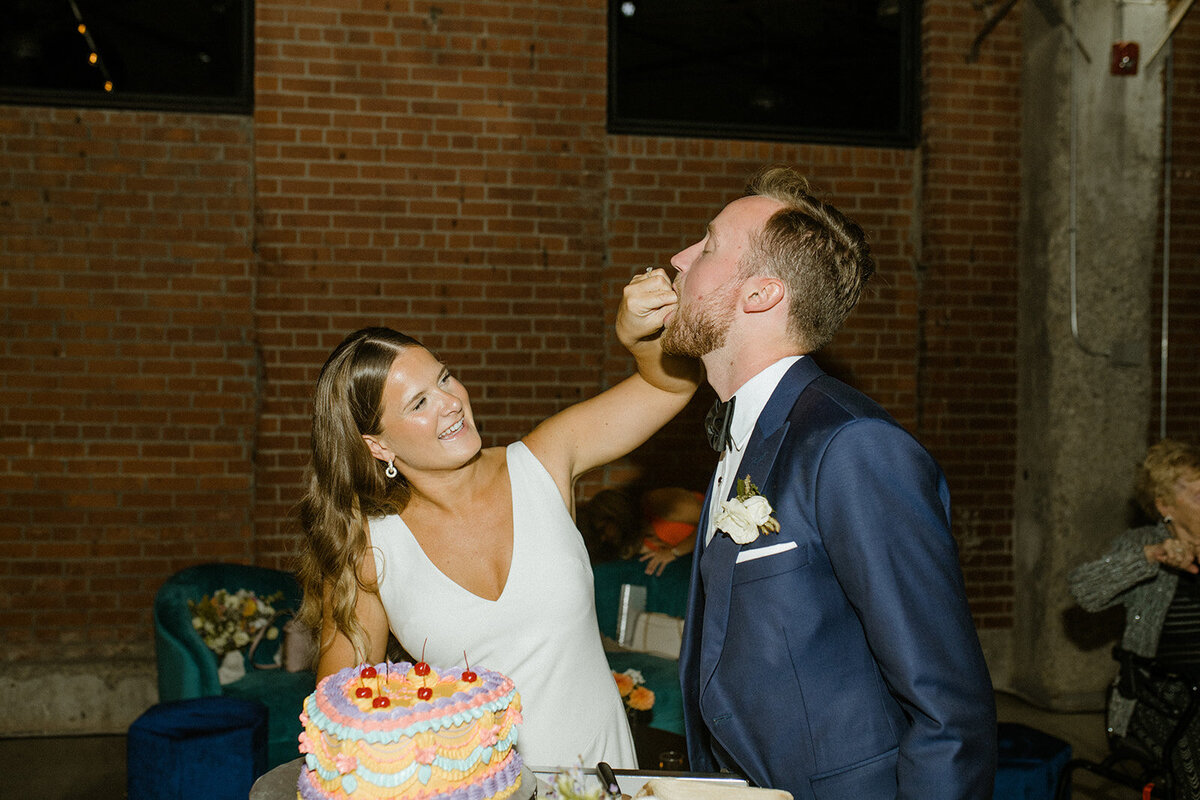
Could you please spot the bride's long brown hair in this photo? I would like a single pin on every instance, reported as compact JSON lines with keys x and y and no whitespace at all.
{"x":346,"y":485}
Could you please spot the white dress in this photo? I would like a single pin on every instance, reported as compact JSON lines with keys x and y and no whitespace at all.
{"x":541,"y":632}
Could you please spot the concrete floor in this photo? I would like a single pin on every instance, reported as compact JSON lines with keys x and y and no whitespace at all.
{"x":1085,"y":733}
{"x":93,"y":767}
{"x":76,"y":767}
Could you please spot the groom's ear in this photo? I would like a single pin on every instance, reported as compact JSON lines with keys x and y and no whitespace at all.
{"x":763,"y":294}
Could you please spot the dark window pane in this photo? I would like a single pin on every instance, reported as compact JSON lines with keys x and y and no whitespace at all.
{"x":172,"y":54}
{"x":815,"y":70}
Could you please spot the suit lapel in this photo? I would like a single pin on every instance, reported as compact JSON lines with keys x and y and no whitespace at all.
{"x":719,"y":557}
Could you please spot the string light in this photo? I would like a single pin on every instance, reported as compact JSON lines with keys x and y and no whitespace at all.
{"x":94,"y":52}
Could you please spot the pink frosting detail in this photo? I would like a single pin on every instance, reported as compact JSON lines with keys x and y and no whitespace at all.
{"x":345,"y":763}
{"x":305,"y":744}
{"x":425,"y":755}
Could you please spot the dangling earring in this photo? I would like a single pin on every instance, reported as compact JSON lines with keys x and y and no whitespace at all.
{"x":391,"y":469}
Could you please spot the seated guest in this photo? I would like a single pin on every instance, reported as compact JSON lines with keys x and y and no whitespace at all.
{"x":467,"y":553}
{"x":1153,"y":571}
{"x":610,"y":526}
{"x":660,"y":527}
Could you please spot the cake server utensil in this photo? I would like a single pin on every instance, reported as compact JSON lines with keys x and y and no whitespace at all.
{"x":608,"y":779}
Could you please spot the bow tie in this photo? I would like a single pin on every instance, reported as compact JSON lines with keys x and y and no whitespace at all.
{"x":716,"y":424}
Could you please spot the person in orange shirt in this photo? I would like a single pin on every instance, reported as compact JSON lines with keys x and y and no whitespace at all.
{"x":657,"y":529}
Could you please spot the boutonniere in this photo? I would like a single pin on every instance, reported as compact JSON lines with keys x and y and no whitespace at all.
{"x":746,"y":516}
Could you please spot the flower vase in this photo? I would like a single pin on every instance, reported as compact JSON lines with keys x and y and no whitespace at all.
{"x":233,"y":668}
{"x":638,"y":717}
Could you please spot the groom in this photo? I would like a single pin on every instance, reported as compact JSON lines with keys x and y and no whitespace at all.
{"x":832,"y":655}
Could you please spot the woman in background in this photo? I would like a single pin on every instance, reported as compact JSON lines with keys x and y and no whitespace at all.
{"x":659,"y":527}
{"x":1154,"y":572}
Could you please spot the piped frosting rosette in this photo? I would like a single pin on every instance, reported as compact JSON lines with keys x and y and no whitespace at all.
{"x":456,"y":744}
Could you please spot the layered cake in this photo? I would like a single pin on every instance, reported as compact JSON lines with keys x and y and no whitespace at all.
{"x":410,"y":732}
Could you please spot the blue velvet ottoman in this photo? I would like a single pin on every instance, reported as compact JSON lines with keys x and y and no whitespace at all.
{"x":1028,"y":763}
{"x":210,"y":747}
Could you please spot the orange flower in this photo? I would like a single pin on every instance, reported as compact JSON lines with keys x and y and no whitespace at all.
{"x":641,"y":699}
{"x":624,"y":683}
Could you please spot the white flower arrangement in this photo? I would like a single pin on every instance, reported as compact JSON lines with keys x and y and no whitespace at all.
{"x":747,"y":516}
{"x":228,"y":621}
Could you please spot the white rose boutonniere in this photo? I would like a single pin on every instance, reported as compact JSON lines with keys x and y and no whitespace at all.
{"x":747,"y":516}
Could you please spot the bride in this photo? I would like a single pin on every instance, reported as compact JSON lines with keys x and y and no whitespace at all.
{"x":470,"y":554}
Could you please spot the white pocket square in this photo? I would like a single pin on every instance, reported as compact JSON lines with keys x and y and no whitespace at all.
{"x":763,"y":552}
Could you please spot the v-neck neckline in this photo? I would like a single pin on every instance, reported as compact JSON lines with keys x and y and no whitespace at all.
{"x":512,"y":558}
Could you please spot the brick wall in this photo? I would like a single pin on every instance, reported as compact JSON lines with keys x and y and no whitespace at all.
{"x":173,"y":283}
{"x":440,"y":171}
{"x":967,"y":412}
{"x":129,"y":375}
{"x":1183,"y":350}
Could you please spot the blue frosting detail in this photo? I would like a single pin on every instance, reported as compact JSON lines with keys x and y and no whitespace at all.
{"x":490,"y":785}
{"x":383,"y":737}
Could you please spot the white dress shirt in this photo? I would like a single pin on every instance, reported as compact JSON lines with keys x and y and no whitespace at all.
{"x":752,"y":398}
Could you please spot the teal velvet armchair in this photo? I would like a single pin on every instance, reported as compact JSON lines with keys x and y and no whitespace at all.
{"x":187,"y":668}
{"x":666,"y":594}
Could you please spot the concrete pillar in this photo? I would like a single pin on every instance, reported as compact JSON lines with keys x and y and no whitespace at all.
{"x":1084,"y":394}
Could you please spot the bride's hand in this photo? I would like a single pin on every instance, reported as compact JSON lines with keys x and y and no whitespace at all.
{"x":645,"y":303}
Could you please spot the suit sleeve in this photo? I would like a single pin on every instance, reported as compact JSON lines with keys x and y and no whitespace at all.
{"x":882,"y":509}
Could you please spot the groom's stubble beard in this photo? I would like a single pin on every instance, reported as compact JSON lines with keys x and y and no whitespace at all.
{"x":697,"y":330}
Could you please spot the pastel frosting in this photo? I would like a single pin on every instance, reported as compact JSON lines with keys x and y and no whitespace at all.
{"x":456,"y":745}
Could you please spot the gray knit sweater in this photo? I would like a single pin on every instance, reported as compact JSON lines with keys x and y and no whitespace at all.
{"x":1124,"y":576}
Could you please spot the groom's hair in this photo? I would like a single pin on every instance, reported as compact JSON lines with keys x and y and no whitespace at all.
{"x":821,"y":255}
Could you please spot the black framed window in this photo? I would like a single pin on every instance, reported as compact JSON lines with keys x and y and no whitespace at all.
{"x":834,"y":71}
{"x":186,"y":55}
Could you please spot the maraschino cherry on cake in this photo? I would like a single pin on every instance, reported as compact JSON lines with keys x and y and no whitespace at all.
{"x":405,"y":731}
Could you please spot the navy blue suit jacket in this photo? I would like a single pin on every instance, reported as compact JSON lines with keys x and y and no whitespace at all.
{"x":848,"y":665}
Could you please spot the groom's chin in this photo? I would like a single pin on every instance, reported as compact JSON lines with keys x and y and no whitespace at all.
{"x":671,"y":348}
{"x":686,"y":347}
